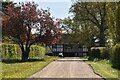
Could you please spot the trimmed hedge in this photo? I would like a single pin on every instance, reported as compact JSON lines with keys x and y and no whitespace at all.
{"x":115,"y":56}
{"x":99,"y":52}
{"x":8,"y":51}
{"x":37,"y":52}
{"x":105,"y":53}
{"x":13,"y":51}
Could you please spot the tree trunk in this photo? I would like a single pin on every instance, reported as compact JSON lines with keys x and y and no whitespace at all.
{"x":103,"y":27}
{"x":102,"y":37}
{"x":25,"y":54}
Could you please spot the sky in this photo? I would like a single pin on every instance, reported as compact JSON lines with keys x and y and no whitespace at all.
{"x":58,"y":8}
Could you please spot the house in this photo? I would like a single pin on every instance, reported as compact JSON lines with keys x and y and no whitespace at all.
{"x":68,"y":50}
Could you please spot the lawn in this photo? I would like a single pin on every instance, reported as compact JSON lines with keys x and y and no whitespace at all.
{"x":24,"y":69}
{"x":104,"y":68}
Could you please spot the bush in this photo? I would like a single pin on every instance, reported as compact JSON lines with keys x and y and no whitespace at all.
{"x":115,"y":56}
{"x":99,"y":52}
{"x":37,"y":52}
{"x":49,"y":54}
{"x":13,"y":51}
{"x":18,"y":52}
{"x":95,"y":53}
{"x":8,"y":51}
{"x":4,"y":51}
{"x":105,"y":53}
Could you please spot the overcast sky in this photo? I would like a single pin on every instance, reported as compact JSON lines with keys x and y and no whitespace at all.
{"x":58,"y":8}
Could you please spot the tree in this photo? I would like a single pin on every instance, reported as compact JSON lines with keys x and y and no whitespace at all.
{"x":26,"y":24}
{"x":79,"y":33}
{"x":113,"y":21}
{"x":67,"y":26}
{"x":94,"y":13}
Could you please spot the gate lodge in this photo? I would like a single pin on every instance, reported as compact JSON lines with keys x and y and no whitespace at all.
{"x":69,"y":50}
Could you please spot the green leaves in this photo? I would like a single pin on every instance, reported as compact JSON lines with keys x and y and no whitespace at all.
{"x":12,"y":51}
{"x":91,"y":14}
{"x":79,"y":32}
{"x":113,"y":21}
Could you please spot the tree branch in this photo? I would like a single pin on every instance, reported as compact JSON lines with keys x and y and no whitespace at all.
{"x":28,"y":37}
{"x":92,"y":15}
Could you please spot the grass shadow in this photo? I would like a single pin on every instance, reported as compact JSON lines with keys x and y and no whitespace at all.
{"x":10,"y":61}
{"x":118,"y":68}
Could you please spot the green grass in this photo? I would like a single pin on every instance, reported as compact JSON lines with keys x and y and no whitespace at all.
{"x":24,"y":69}
{"x":84,"y":58}
{"x":104,"y":68}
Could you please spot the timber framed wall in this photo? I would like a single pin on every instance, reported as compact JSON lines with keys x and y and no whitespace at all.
{"x":69,"y":50}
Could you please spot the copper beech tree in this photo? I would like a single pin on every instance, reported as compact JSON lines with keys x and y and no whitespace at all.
{"x":26,"y":25}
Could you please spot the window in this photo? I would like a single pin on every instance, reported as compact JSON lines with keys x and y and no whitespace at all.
{"x":59,"y":46}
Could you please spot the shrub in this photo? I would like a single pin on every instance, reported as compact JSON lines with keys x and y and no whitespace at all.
{"x":31,"y":54}
{"x":4,"y":51}
{"x":95,"y":53}
{"x":18,"y":52}
{"x":49,"y":54}
{"x":13,"y":51}
{"x":37,"y":52}
{"x":115,"y":56}
{"x":99,"y":52}
{"x":105,"y":53}
{"x":8,"y":51}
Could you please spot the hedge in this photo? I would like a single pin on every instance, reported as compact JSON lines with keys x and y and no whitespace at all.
{"x":8,"y":51}
{"x":99,"y":52}
{"x":115,"y":56}
{"x":12,"y":51}
{"x":37,"y":52}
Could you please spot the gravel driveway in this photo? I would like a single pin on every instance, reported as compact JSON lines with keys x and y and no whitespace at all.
{"x":69,"y":67}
